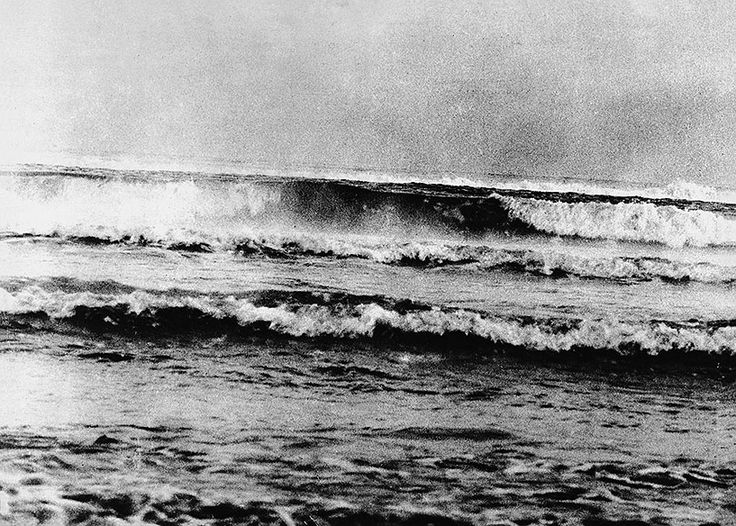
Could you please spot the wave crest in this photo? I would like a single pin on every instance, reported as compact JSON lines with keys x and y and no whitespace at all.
{"x":119,"y":209}
{"x":642,"y":222}
{"x":212,"y":211}
{"x":484,"y":258}
{"x":102,"y":167}
{"x":320,"y":315}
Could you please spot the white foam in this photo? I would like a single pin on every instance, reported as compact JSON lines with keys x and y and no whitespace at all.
{"x":539,"y":261}
{"x":184,"y":211}
{"x":644,"y":222}
{"x":362,"y":320}
{"x":113,"y":209}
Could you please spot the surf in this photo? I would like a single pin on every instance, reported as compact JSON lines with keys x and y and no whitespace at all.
{"x":344,"y":316}
{"x":188,"y":210}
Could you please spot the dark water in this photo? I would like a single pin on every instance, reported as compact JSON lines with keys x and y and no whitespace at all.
{"x":166,"y":430}
{"x":190,"y":349}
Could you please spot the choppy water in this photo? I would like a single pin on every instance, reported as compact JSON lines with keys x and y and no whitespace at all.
{"x":194,"y":348}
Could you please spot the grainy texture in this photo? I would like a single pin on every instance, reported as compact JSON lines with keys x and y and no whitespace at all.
{"x":343,"y":262}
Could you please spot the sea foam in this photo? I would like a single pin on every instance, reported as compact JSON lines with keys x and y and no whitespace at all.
{"x":643,"y":222}
{"x":356,"y":318}
{"x":186,"y":211}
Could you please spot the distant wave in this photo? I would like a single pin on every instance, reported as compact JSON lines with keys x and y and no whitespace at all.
{"x":206,"y":211}
{"x":676,"y":190}
{"x":343,"y":316}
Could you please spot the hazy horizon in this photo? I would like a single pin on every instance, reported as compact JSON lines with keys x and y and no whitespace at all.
{"x":612,"y":90}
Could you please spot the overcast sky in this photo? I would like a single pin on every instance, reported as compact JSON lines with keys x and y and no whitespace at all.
{"x":627,"y":89}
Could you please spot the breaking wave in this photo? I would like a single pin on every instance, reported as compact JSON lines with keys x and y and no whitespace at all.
{"x":436,"y":254}
{"x":213,"y":211}
{"x":642,"y":222}
{"x":677,"y":190}
{"x":342,"y":316}
{"x":118,"y":209}
{"x":484,"y":258}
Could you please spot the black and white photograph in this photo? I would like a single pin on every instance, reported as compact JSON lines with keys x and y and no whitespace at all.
{"x":367,"y":263}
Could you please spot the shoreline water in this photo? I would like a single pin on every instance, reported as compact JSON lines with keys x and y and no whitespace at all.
{"x":342,"y":431}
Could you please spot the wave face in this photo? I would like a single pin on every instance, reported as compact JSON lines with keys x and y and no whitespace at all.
{"x":214,"y":211}
{"x":344,"y":316}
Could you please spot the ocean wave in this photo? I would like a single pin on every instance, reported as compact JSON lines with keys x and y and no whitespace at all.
{"x":188,"y":212}
{"x":485,"y":258}
{"x":436,"y":254}
{"x":641,"y":222}
{"x":676,"y":190}
{"x":341,"y":316}
{"x":177,"y":210}
{"x":115,"y":209}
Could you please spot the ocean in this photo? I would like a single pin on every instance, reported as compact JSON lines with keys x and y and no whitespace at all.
{"x":339,"y":348}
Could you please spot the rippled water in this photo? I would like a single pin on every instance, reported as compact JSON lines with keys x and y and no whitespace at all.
{"x":141,"y":430}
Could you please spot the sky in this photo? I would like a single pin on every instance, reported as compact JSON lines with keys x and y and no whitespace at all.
{"x":627,"y":90}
